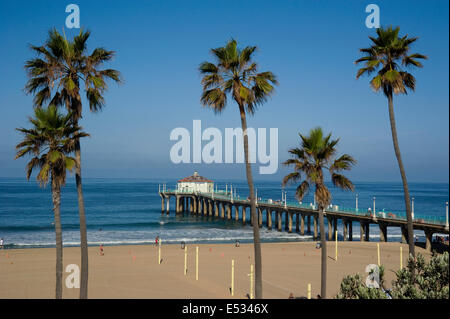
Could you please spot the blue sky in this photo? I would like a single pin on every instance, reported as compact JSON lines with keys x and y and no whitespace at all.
{"x":310,"y":46}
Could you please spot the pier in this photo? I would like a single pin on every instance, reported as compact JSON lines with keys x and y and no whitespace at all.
{"x":297,"y":217}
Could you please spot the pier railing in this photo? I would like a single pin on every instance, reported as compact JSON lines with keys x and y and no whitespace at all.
{"x":394,"y":215}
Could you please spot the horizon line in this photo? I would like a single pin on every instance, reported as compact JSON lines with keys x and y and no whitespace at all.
{"x":228,"y":179}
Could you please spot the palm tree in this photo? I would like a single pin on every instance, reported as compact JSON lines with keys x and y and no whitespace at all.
{"x":316,"y":154}
{"x":55,"y":76}
{"x":389,"y":56}
{"x":237,"y":75}
{"x":49,"y":141}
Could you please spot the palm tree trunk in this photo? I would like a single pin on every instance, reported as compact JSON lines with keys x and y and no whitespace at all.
{"x":56,"y":198}
{"x":323,"y":245}
{"x":255,"y":224}
{"x":84,"y":273}
{"x":403,"y":174}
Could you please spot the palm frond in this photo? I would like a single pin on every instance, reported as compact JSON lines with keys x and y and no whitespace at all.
{"x":215,"y":99}
{"x":31,"y":166}
{"x":311,"y":159}
{"x":387,"y":53}
{"x":50,"y":139}
{"x":207,"y":67}
{"x":302,"y":190}
{"x":342,"y":182}
{"x":61,"y":65}
{"x":235,"y":73}
{"x":291,"y":178}
{"x":345,"y":162}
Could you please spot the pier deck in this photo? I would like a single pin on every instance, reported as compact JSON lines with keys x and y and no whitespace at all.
{"x":222,"y":204}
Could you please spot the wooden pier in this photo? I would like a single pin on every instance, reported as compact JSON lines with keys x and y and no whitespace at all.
{"x":227,"y":206}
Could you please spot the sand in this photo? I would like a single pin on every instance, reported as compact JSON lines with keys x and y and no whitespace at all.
{"x":134,"y":272}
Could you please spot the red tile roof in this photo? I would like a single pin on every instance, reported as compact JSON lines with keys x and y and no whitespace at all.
{"x":195,"y":178}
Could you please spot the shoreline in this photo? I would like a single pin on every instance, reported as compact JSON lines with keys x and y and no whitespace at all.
{"x":393,"y":238}
{"x":132,"y":271}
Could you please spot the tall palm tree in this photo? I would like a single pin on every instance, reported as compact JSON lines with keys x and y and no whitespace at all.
{"x":236,"y":74}
{"x":56,"y":75}
{"x":50,"y":140}
{"x":389,"y":56}
{"x":316,"y":154}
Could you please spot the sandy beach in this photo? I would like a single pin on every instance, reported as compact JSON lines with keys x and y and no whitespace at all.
{"x":134,"y":272}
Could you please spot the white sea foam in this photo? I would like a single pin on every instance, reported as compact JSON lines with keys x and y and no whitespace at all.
{"x":174,"y":231}
{"x":169,"y":236}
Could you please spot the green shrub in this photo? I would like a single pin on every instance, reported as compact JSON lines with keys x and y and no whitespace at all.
{"x":354,"y":287}
{"x":430,"y":281}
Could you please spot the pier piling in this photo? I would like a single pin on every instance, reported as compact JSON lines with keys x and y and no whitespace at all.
{"x":279,"y":221}
{"x":260,"y":217}
{"x":216,"y":209}
{"x":367,"y":232}
{"x":315,"y":226}
{"x":219,"y":205}
{"x":362,"y":229}
{"x":344,"y":229}
{"x":335,"y":223}
{"x":330,"y":234}
{"x":290,"y":221}
{"x":309,"y":224}
{"x":286,"y":221}
{"x":269,"y":218}
{"x":404,"y":235}
{"x":350,"y":230}
{"x":383,"y":232}
{"x":428,"y":239}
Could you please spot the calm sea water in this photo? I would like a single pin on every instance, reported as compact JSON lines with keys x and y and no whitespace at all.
{"x":128,"y":211}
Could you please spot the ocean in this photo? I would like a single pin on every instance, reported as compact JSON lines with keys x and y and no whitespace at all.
{"x":128,"y":211}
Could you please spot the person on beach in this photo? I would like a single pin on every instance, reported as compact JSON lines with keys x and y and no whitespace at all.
{"x":101,"y":250}
{"x":1,"y":243}
{"x":156,"y":240}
